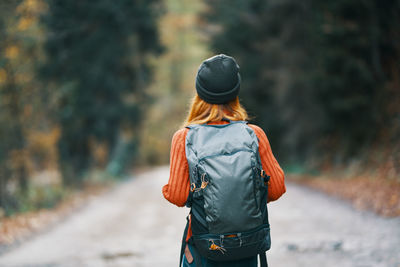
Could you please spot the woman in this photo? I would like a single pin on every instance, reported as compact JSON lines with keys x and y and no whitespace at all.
{"x":216,"y":102}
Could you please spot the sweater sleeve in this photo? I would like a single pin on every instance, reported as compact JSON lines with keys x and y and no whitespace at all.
{"x":176,"y":190}
{"x":270,"y":165}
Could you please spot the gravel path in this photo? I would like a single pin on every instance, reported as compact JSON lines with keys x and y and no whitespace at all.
{"x":133,"y":225}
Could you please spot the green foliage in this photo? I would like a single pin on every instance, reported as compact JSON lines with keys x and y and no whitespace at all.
{"x":73,"y":73}
{"x":35,"y":198}
{"x":123,"y":153}
{"x":96,"y":61}
{"x":43,"y":197}
{"x":318,"y":75}
{"x":12,"y":143}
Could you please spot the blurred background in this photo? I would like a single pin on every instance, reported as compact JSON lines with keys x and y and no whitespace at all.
{"x":91,"y":90}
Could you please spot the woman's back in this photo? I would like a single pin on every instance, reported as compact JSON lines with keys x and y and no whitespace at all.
{"x":177,"y":189}
{"x":207,"y":236}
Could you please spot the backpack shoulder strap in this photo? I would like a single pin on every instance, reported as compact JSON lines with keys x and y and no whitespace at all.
{"x":245,"y":122}
{"x":192,"y":126}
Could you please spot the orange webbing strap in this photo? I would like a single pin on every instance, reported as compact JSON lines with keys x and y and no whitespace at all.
{"x":195,"y":254}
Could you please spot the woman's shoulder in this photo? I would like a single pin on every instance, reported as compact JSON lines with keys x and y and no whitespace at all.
{"x":180,"y":135}
{"x":262,"y":137}
{"x":257,"y":129}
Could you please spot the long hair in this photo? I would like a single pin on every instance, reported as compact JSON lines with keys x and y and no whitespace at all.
{"x":202,"y":112}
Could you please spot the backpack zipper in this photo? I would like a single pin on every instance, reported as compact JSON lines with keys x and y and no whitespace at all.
{"x":215,"y":236}
{"x":227,"y":154}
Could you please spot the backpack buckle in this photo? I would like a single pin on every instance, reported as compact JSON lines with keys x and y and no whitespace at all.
{"x":267,"y":180}
{"x":204,"y":182}
{"x":239,"y":235}
{"x":192,"y":187}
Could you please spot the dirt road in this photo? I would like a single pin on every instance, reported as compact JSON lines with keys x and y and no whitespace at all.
{"x":133,"y":225}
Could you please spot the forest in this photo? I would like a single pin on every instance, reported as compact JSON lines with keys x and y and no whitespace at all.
{"x":91,"y":90}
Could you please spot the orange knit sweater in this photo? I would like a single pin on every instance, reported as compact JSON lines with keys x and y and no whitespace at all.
{"x":177,"y":189}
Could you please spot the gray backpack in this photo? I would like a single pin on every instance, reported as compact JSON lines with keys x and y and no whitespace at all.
{"x":228,"y":192}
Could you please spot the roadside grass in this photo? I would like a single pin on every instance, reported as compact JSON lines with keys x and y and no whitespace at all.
{"x":365,"y":191}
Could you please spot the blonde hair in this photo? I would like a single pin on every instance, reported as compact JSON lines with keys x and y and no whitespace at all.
{"x":202,"y":112}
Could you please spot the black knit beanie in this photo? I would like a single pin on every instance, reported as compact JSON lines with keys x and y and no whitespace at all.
{"x":218,"y":79}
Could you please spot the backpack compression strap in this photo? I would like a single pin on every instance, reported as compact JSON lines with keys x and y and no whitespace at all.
{"x":263,"y":260}
{"x":184,"y":240}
